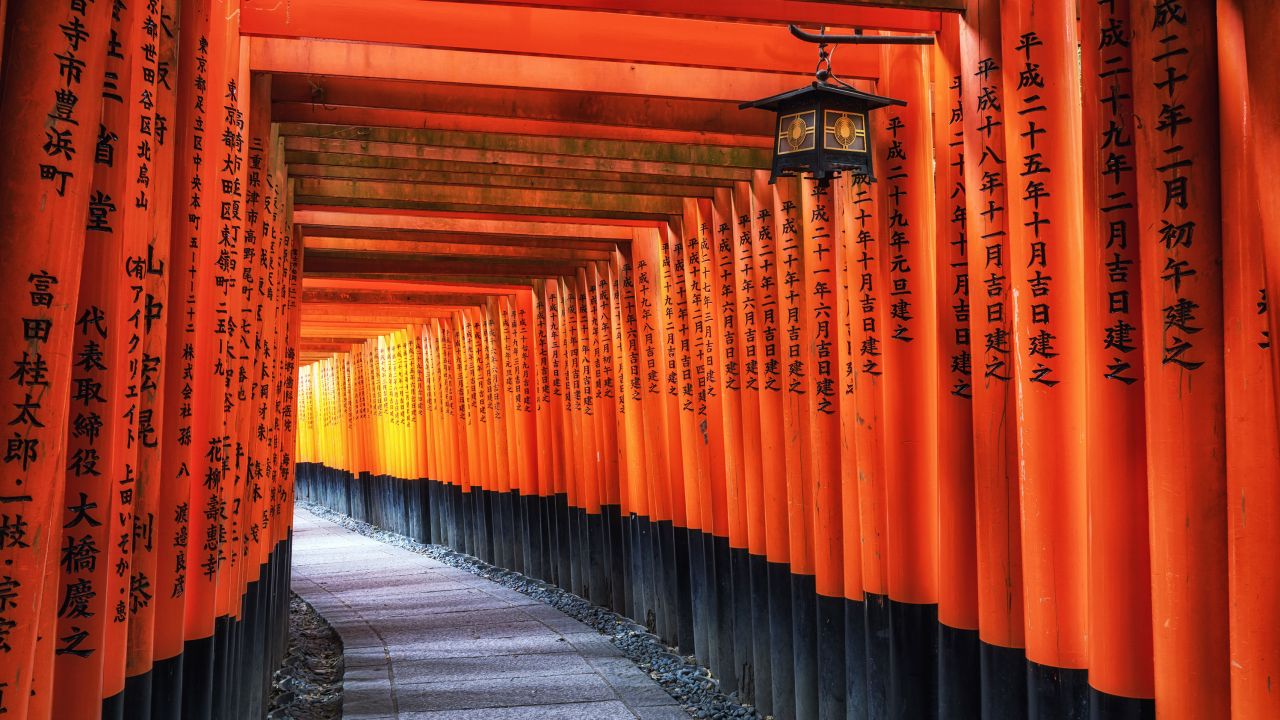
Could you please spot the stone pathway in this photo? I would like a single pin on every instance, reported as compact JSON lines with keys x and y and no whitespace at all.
{"x":424,"y":640}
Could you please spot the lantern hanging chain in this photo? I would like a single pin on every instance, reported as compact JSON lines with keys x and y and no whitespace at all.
{"x":824,"y":72}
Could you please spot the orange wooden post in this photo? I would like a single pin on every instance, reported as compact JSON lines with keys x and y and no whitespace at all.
{"x":1176,"y":170}
{"x":1252,"y":433}
{"x":795,"y":361}
{"x":741,"y":260}
{"x":609,"y":389}
{"x":958,"y":660}
{"x":1120,"y":654}
{"x":663,"y":568}
{"x":633,"y":498}
{"x":997,"y":500}
{"x":1042,"y":128}
{"x":1261,"y":19}
{"x":847,"y":307}
{"x":612,"y":405}
{"x":822,"y":290}
{"x":767,"y":225}
{"x":51,"y":101}
{"x":725,"y":421}
{"x":150,"y":548}
{"x":102,"y":453}
{"x":709,"y":431}
{"x":904,"y":155}
{"x":686,"y":616}
{"x":693,"y":486}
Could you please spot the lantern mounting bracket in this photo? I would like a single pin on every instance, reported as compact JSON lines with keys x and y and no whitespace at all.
{"x":857,"y":38}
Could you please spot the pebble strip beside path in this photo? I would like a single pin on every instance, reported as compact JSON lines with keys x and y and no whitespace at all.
{"x":424,"y":640}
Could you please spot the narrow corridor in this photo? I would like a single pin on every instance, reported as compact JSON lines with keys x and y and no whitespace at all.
{"x":425,"y":640}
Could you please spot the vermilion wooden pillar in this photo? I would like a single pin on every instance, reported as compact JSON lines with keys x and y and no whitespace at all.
{"x":685,"y":519}
{"x":93,"y":609}
{"x":208,"y":451}
{"x":987,"y":179}
{"x":150,"y":546}
{"x":850,"y":534}
{"x":767,"y":229}
{"x":1175,"y":82}
{"x":750,"y":342}
{"x":904,"y":157}
{"x":1042,"y":131}
{"x":51,"y":103}
{"x":1252,"y":435}
{"x":1120,"y":654}
{"x":822,"y":288}
{"x":959,"y":689}
{"x":721,"y":326}
{"x":794,"y":365}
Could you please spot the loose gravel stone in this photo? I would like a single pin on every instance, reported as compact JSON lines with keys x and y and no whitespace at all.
{"x":308,"y":685}
{"x":691,"y":684}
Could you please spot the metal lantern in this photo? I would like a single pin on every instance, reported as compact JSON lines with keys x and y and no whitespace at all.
{"x":823,"y":128}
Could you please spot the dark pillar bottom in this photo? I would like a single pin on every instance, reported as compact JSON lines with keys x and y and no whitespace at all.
{"x":1055,"y":693}
{"x":959,"y":678}
{"x":1105,"y":706}
{"x":137,"y":697}
{"x":166,"y":687}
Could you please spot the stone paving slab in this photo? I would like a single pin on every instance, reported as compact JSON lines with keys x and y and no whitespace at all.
{"x":426,"y":641}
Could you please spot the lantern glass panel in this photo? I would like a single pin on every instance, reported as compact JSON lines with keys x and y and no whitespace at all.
{"x":796,"y":132}
{"x":845,"y":131}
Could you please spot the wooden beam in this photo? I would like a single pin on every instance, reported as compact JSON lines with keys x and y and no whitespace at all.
{"x":329,"y":297}
{"x":397,"y":62}
{"x":531,"y":182}
{"x":430,"y":250}
{"x":752,"y":158}
{"x":348,"y":264}
{"x":498,"y":157}
{"x":334,"y":218}
{"x":852,"y":13}
{"x":325,"y":274}
{"x":414,"y":165}
{"x":479,"y":239}
{"x":309,"y":112}
{"x":450,"y":197}
{"x":563,"y":106}
{"x":452,"y":285}
{"x":543,"y":31}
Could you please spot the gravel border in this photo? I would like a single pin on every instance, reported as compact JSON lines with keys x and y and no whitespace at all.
{"x":308,"y":685}
{"x":689,"y":683}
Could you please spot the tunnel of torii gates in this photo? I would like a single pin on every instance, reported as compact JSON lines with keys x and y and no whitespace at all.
{"x":993,"y":436}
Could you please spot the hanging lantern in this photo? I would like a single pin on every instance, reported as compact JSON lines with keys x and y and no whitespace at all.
{"x":823,"y":128}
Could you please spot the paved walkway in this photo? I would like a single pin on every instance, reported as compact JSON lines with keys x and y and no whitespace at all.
{"x":426,"y":640}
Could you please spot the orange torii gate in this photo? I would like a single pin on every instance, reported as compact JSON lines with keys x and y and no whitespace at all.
{"x":994,"y":435}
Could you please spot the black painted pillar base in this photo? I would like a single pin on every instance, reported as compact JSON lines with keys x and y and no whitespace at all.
{"x":855,"y":659}
{"x":744,"y":663}
{"x":1003,"y":672}
{"x":959,"y":678}
{"x":761,"y":633}
{"x":781,"y":656}
{"x":832,"y":678}
{"x":1055,"y":693}
{"x":804,"y":643}
{"x":137,"y":697}
{"x":113,"y":707}
{"x":1105,"y":706}
{"x":166,"y":687}
{"x":913,"y":659}
{"x":197,"y":679}
{"x":879,"y":666}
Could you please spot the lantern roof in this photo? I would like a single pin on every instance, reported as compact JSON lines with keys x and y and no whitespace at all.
{"x":776,"y":101}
